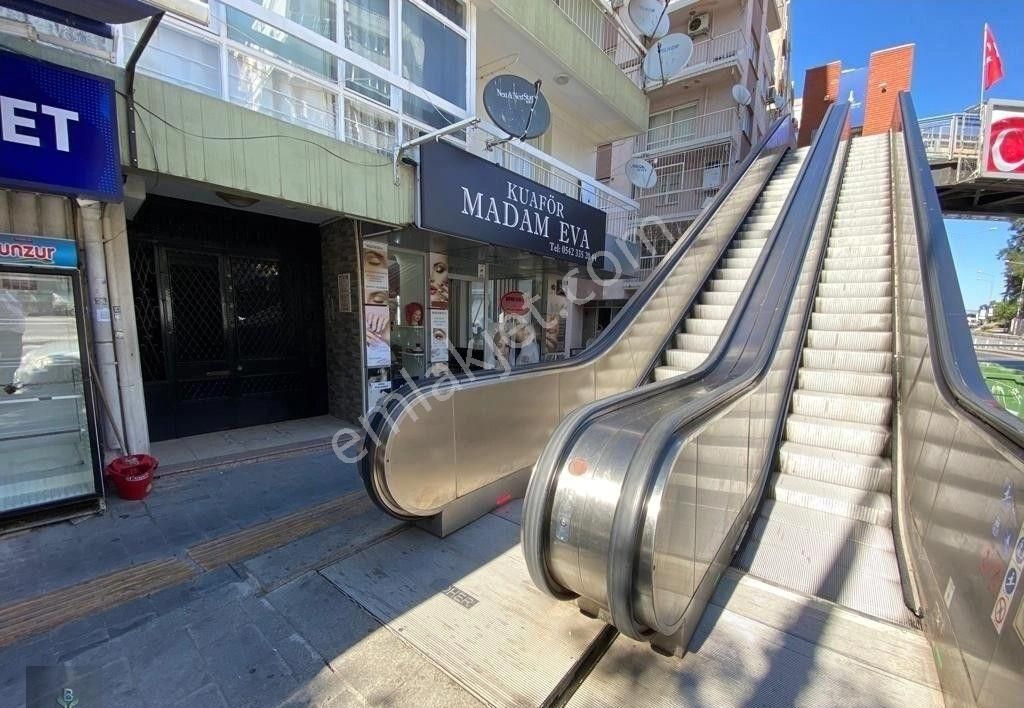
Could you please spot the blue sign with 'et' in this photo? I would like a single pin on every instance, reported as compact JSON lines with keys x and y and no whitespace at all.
{"x":58,"y":130}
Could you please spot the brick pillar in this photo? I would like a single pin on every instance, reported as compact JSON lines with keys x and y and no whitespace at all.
{"x":889,"y":72}
{"x":821,"y":89}
{"x":339,"y":248}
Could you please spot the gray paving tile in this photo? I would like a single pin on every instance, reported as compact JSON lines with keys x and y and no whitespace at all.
{"x":166,"y":663}
{"x":208,"y":696}
{"x":247,"y":669}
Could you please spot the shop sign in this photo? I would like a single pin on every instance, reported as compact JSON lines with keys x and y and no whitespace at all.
{"x":514,"y":303}
{"x":1004,"y":140}
{"x":58,"y":130}
{"x":464,"y":195}
{"x":38,"y":251}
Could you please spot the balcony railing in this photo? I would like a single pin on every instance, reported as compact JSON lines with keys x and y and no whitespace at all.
{"x":592,"y":19}
{"x":716,"y":125}
{"x":687,"y":181}
{"x":526,"y":160}
{"x":710,"y":54}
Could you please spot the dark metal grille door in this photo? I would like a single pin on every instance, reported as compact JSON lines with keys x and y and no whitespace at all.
{"x":146,"y":290}
{"x":197,"y":308}
{"x":262,"y":328}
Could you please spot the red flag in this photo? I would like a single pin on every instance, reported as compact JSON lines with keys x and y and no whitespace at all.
{"x":993,"y":69}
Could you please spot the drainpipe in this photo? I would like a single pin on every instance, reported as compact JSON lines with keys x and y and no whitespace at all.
{"x":122,"y":318}
{"x":91,"y":213}
{"x":129,"y":71}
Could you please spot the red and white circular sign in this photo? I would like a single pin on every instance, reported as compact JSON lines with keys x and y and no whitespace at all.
{"x":514,"y":303}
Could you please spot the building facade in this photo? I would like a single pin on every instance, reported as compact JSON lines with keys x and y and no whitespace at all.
{"x":266,"y":262}
{"x":696,"y":131}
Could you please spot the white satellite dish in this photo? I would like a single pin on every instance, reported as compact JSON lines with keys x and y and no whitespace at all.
{"x":641,"y":173}
{"x":667,"y":57}
{"x":741,"y":94}
{"x":650,"y":17}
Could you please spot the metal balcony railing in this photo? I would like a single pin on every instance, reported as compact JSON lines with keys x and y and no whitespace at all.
{"x":528,"y":161}
{"x":594,"y":21}
{"x":687,"y":181}
{"x":709,"y":54}
{"x":716,"y":125}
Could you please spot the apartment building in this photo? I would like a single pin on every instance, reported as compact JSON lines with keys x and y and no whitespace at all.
{"x":697,"y":132}
{"x":263,"y":254}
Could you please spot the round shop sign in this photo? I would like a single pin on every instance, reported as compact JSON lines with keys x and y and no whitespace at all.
{"x":514,"y":303}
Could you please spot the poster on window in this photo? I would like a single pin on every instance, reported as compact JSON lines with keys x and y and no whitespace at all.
{"x":554,"y":318}
{"x":375,"y":390}
{"x":378,"y":335}
{"x":1004,"y":140}
{"x":375,"y":273}
{"x":438,"y":336}
{"x":439,"y":281}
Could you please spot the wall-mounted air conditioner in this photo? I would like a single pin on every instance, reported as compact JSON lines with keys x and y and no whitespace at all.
{"x":699,"y":24}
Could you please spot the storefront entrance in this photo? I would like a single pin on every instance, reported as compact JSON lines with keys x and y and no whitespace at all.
{"x":229,"y":318}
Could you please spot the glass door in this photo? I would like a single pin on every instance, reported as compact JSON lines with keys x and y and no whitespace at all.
{"x":49,"y":455}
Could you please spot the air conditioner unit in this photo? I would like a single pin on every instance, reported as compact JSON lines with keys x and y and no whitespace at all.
{"x":699,"y":24}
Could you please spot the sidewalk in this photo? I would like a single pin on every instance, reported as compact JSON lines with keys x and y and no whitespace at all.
{"x":160,"y":602}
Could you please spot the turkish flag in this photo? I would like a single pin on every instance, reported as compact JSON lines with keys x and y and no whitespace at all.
{"x":993,"y":69}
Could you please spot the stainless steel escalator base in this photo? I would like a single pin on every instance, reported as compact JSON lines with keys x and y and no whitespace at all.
{"x":761,"y":645}
{"x":467,"y":602}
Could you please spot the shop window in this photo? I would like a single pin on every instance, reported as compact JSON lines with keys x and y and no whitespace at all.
{"x":277,"y":43}
{"x":407,"y":302}
{"x":433,"y":55}
{"x":368,"y":30}
{"x":316,"y":15}
{"x":263,"y":87}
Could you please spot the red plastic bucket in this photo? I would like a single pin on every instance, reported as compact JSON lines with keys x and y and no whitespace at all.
{"x":132,"y":475}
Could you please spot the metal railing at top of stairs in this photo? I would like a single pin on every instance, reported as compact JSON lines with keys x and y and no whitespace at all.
{"x":605,"y":481}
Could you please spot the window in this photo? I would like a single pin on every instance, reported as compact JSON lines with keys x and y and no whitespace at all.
{"x":179,"y":57}
{"x":433,"y":55}
{"x":672,"y":126}
{"x":367,"y":84}
{"x":263,"y":87}
{"x":604,"y":162}
{"x":451,"y":9}
{"x":669,"y":186}
{"x":257,"y":34}
{"x":368,"y":127}
{"x":415,"y":107}
{"x":367,"y":30}
{"x":316,"y":15}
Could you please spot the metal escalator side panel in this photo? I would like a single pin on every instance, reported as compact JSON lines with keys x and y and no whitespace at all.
{"x":486,"y":428}
{"x":590,"y":487}
{"x":958,"y":459}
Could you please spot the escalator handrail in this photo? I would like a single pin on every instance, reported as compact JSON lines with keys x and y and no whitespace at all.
{"x":380,"y":422}
{"x":798,"y":216}
{"x":954,"y":358}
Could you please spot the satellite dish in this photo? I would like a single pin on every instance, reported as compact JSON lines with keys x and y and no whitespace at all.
{"x":667,"y":57}
{"x":641,"y":173}
{"x":741,"y":94}
{"x":517,"y":106}
{"x":650,"y":17}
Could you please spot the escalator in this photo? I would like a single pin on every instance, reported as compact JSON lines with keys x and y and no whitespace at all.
{"x":813,"y":519}
{"x":704,"y":323}
{"x":430,"y":453}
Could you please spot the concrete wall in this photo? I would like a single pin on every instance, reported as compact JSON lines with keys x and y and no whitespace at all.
{"x":343,"y":332}
{"x":821,"y":88}
{"x":889,"y":72}
{"x":547,"y":24}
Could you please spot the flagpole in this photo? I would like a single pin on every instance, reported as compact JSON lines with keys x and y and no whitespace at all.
{"x":984,"y":41}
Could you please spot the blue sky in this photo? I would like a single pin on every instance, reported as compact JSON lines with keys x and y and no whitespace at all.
{"x":947,"y":71}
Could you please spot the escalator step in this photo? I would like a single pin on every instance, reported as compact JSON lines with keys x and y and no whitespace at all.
{"x":853,"y":305}
{"x":696,"y":325}
{"x":842,"y":360}
{"x":861,"y":438}
{"x":684,"y":360}
{"x":846,"y":469}
{"x":851,"y":323}
{"x":855,"y":289}
{"x":690,"y":342}
{"x":870,"y":507}
{"x":865,"y":341}
{"x":851,"y":383}
{"x":869,"y":410}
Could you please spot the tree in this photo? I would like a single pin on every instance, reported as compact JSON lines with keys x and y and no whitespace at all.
{"x":1013,"y":261}
{"x":1004,"y":311}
